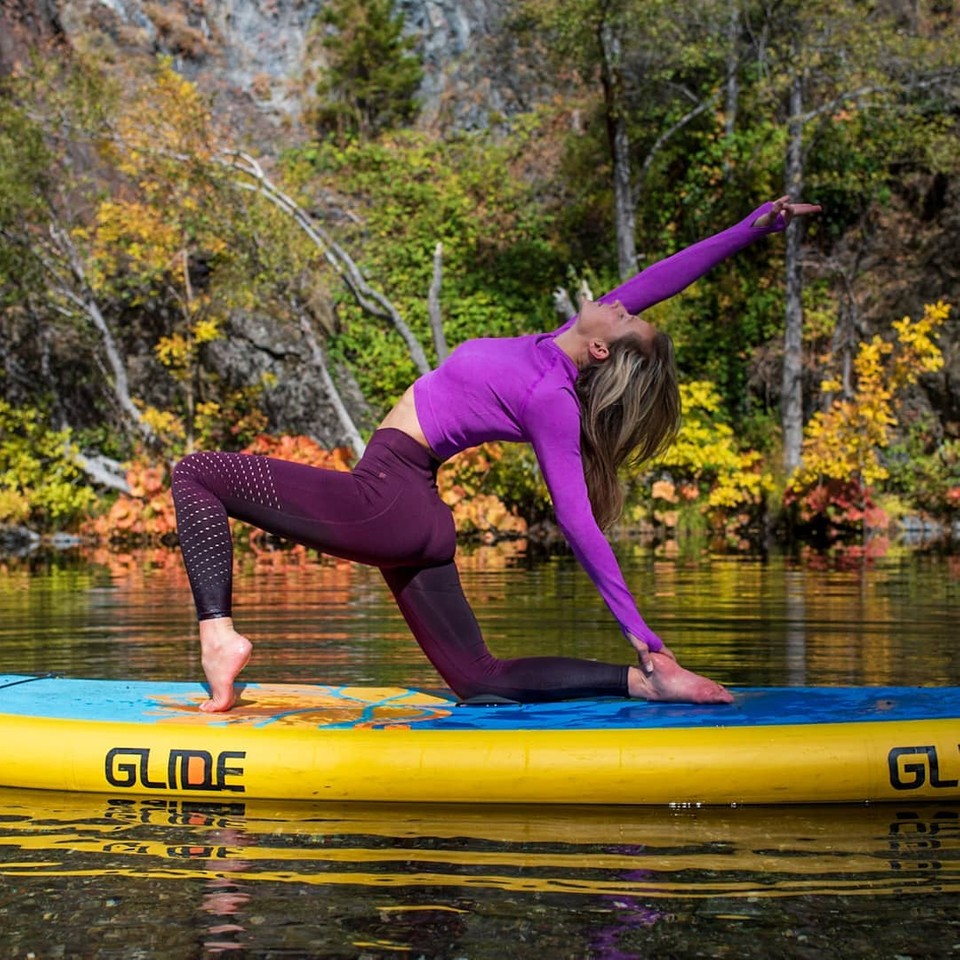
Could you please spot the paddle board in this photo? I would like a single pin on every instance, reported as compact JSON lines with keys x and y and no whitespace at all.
{"x":317,"y":742}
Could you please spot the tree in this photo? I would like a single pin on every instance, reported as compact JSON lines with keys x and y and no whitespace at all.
{"x":844,"y":444}
{"x":371,"y":76}
{"x":608,"y":28}
{"x":827,"y":64}
{"x":47,"y":191}
{"x":407,"y":193}
{"x":140,"y":222}
{"x":644,"y":70}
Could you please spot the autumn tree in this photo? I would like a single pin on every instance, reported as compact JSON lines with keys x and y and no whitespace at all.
{"x":147,"y":225}
{"x":171,"y":235}
{"x":845,"y":444}
{"x":51,"y":158}
{"x":834,"y":75}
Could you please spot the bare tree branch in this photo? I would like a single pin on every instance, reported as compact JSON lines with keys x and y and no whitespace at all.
{"x":333,"y":394}
{"x":369,"y":299}
{"x":85,"y":301}
{"x":433,"y":305}
{"x":102,"y":470}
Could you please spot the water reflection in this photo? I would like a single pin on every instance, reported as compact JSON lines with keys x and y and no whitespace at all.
{"x":587,"y":851}
{"x":394,"y":868}
{"x":796,"y":628}
{"x":100,"y":877}
{"x":744,"y":621}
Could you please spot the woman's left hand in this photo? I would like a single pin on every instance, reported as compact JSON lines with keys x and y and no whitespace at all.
{"x":784,"y":206}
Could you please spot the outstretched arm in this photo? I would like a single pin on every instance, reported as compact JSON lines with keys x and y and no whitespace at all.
{"x":668,"y":277}
{"x":553,"y":423}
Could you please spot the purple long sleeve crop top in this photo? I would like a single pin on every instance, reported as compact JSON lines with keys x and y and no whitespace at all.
{"x":523,"y":389}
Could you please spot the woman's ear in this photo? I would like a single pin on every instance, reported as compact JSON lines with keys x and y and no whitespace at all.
{"x":598,"y":350}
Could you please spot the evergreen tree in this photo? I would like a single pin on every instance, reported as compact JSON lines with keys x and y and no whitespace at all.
{"x":371,"y":75}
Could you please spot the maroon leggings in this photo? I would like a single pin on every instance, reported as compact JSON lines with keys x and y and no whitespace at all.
{"x":385,"y":513}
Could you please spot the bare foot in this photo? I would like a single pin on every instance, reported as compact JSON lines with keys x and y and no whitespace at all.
{"x":223,"y":654}
{"x":671,"y":683}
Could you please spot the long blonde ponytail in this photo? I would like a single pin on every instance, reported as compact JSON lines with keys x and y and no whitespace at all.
{"x":630,"y":408}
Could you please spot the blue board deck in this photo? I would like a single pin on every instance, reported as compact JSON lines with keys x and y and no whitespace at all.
{"x":345,"y":707}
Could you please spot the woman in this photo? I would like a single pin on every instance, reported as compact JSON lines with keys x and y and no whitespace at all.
{"x":600,"y":388}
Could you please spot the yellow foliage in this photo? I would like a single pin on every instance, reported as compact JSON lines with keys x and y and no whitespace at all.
{"x":134,"y":237}
{"x":706,"y":455}
{"x":15,"y":506}
{"x":920,"y":354}
{"x":209,"y":408}
{"x":40,"y":481}
{"x":844,"y":441}
{"x":178,"y":351}
{"x":165,"y":424}
{"x":170,"y":114}
{"x":174,"y":351}
{"x":700,"y":396}
{"x":744,"y":483}
{"x":206,"y":330}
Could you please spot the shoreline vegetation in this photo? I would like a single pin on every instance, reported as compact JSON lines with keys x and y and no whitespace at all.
{"x":143,"y":524}
{"x":167,"y":286}
{"x":707,"y":487}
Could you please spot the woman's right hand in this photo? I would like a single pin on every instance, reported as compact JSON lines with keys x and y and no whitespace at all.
{"x":789,"y":210}
{"x":643,"y":653}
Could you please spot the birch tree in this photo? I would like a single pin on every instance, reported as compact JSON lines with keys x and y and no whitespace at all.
{"x":43,"y":263}
{"x":657,"y":66}
{"x":823,"y":64}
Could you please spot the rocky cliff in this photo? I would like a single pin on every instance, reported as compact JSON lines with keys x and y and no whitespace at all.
{"x":258,"y":56}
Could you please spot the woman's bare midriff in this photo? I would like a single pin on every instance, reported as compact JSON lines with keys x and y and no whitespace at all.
{"x":404,"y":417}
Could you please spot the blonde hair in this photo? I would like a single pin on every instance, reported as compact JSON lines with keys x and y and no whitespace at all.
{"x":630,"y":408}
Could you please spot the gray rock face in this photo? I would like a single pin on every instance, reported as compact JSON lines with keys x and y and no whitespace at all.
{"x":260,"y":54}
{"x":263,"y":48}
{"x":255,"y":348}
{"x":452,"y":41}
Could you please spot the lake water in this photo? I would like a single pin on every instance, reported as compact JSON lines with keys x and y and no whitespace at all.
{"x":102,"y":877}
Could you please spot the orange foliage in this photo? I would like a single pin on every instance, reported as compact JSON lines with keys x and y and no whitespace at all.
{"x":144,"y":515}
{"x":131,"y":566}
{"x":476,"y":512}
{"x":302,"y":449}
{"x":285,"y":576}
